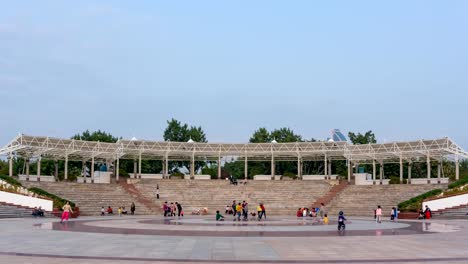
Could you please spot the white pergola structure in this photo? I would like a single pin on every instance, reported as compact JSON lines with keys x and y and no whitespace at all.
{"x":36,"y":147}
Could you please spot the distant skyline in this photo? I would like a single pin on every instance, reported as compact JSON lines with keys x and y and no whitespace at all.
{"x":397,"y":68}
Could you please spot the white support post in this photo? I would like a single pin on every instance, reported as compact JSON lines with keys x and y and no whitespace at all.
{"x":428,"y":169}
{"x":92,"y":169}
{"x":410,"y":163}
{"x":246,"y":168}
{"x":10,"y":165}
{"x":272,"y":167}
{"x":373,"y":172}
{"x":219,"y":166}
{"x":167,"y":167}
{"x":381,"y":172}
{"x":83,"y":169}
{"x":27,"y":169}
{"x":357,"y":167}
{"x":457,"y":169}
{"x":329,"y":169}
{"x":192,"y":166}
{"x":117,"y":170}
{"x":39,"y":169}
{"x":299,"y":167}
{"x":401,"y":170}
{"x":56,"y":170}
{"x":439,"y":171}
{"x":65,"y":174}
{"x":325,"y":167}
{"x":139,"y":166}
{"x":350,"y":168}
{"x":135,"y":169}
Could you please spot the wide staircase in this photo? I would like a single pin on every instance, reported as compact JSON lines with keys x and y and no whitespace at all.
{"x":460,"y":211}
{"x":91,"y":197}
{"x":358,"y":200}
{"x":17,"y":211}
{"x":279,"y":197}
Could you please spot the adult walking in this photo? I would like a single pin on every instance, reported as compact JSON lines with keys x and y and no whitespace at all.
{"x":179,"y":209}
{"x":263,"y":210}
{"x":132,"y":208}
{"x":378,"y":213}
{"x":157,"y":192}
{"x":66,"y":212}
{"x":322,"y":210}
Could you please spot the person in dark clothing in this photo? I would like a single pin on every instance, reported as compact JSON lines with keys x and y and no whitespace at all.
{"x":132,"y":208}
{"x":233,"y":206}
{"x":341,"y":221}
{"x":179,"y":209}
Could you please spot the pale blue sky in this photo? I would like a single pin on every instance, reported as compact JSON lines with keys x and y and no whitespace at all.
{"x":399,"y":68}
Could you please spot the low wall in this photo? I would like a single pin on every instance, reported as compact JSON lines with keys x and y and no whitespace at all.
{"x":99,"y":177}
{"x":366,"y":179}
{"x":27,"y":201}
{"x":198,"y":177}
{"x":44,"y":178}
{"x":317,"y":177}
{"x":151,"y":176}
{"x":432,"y":180}
{"x":266,"y":177}
{"x":448,"y":202}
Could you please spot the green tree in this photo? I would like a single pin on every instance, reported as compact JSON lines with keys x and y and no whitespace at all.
{"x":178,"y":132}
{"x":260,"y":136}
{"x":359,"y":138}
{"x":99,"y":135}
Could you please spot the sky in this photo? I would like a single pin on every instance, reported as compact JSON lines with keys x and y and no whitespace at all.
{"x":398,"y":68}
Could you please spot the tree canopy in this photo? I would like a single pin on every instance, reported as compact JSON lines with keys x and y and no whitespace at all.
{"x":99,"y":135}
{"x":281,"y":135}
{"x":365,"y":138}
{"x":178,"y":132}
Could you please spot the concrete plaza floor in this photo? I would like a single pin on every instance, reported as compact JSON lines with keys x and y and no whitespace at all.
{"x":200,"y":239}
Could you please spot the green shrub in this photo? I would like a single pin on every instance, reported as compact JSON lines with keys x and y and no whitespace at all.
{"x":458,"y":183}
{"x":10,"y":180}
{"x":59,"y":202}
{"x":396,"y":180}
{"x":290,"y":175}
{"x":414,"y":204}
{"x":177,"y":174}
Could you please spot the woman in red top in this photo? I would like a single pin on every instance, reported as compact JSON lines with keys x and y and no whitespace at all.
{"x":299,"y":212}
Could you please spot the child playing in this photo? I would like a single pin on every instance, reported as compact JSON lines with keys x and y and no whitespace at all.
{"x":219,"y":217}
{"x":325,"y":219}
{"x":103,"y":211}
{"x":341,"y":221}
{"x":119,"y":211}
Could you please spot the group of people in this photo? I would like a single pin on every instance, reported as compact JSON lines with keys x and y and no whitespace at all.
{"x":241,"y":210}
{"x":121,"y":210}
{"x":314,"y":213}
{"x":172,"y":209}
{"x":426,"y":214}
{"x":37,"y":212}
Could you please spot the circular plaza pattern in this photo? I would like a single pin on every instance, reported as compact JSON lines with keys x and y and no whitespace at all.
{"x":200,"y":239}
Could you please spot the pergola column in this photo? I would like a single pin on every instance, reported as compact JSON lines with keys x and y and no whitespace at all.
{"x":83,"y":169}
{"x":381,"y":172}
{"x":299,"y":167}
{"x":92,"y":169}
{"x":192,"y":166}
{"x":350,"y":165}
{"x":10,"y":165}
{"x":56,"y":170}
{"x":219,"y":166}
{"x":39,"y":169}
{"x":457,"y":169}
{"x":428,"y":169}
{"x":139,"y":166}
{"x":410,"y":164}
{"x":166,"y":167}
{"x":373,"y":171}
{"x":135,"y":169}
{"x":27,"y":169}
{"x":272,"y":167}
{"x":357,"y":167}
{"x":401,"y":170}
{"x":117,"y":170}
{"x":329,"y":169}
{"x":65,"y":173}
{"x":325,"y":167}
{"x":439,"y":171}
{"x":246,"y":168}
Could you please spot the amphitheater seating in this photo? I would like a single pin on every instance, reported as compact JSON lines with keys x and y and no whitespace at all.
{"x":280,"y":197}
{"x":91,"y":197}
{"x":15,"y":211}
{"x":359,"y":200}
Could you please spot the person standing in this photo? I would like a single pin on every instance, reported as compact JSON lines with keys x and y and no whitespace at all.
{"x":341,"y":221}
{"x":66,"y":212}
{"x":246,"y":211}
{"x":238,"y":211}
{"x":322,"y":210}
{"x":157,"y":192}
{"x":132,"y":208}
{"x":259,"y":212}
{"x":427,"y":213}
{"x":263,"y":210}
{"x":378,"y":213}
{"x":179,"y":209}
{"x":233,"y":205}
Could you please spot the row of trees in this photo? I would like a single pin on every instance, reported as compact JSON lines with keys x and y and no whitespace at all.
{"x":177,"y":131}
